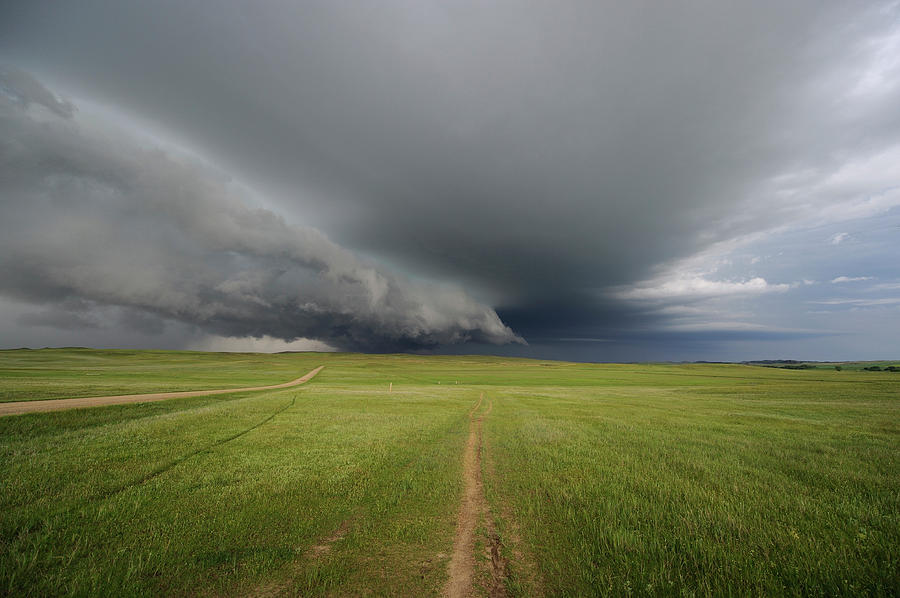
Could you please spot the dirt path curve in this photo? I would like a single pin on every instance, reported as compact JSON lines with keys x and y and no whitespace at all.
{"x":474,"y":506}
{"x":59,"y":404}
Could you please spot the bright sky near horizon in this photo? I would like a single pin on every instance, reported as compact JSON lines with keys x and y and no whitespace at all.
{"x":597,"y":181}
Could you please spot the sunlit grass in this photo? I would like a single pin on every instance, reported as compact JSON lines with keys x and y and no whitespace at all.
{"x":766,"y":490}
{"x":604,"y":479}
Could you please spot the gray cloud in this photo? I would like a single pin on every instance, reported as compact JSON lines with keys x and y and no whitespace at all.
{"x":93,"y":216}
{"x":58,"y":319}
{"x":555,"y":159}
{"x":20,"y":87}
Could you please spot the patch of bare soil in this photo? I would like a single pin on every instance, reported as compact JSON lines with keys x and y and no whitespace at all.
{"x":324,"y":547}
{"x":314,"y":553}
{"x":18,"y":407}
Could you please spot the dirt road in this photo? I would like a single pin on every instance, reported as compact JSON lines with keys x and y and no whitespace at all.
{"x":59,"y":404}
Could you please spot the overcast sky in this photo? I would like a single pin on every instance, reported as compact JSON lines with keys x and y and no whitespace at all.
{"x":600,"y":181}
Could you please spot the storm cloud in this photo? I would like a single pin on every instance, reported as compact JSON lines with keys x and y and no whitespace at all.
{"x":93,"y":216}
{"x":632,"y":172}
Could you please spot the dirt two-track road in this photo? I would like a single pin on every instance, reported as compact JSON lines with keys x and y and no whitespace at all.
{"x":59,"y":404}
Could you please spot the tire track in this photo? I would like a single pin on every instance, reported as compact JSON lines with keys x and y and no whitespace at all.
{"x":163,"y":468}
{"x":499,"y":564}
{"x":522,"y":560}
{"x":17,"y":407}
{"x":474,"y":508}
{"x":205,"y":449}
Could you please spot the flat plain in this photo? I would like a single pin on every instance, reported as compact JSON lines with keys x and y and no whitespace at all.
{"x":592,"y":479}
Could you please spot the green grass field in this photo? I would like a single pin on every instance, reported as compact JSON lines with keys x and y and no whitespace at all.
{"x":687,"y":480}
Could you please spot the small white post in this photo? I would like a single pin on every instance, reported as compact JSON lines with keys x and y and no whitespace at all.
{"x":391,"y":387}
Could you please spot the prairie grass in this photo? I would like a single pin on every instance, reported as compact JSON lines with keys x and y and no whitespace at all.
{"x":617,"y":479}
{"x":767,"y":489}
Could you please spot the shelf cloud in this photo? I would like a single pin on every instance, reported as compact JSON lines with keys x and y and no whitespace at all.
{"x":95,"y":217}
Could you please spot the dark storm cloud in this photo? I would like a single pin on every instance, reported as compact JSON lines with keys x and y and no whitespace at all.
{"x":549,"y":156}
{"x":58,"y":319}
{"x":92,"y":217}
{"x":22,"y":89}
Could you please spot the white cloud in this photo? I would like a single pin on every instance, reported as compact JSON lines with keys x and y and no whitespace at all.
{"x":265,"y":344}
{"x":683,"y":311}
{"x":841,"y":279}
{"x":879,"y":78}
{"x":839,"y":238}
{"x":698,"y":287}
{"x":860,"y":302}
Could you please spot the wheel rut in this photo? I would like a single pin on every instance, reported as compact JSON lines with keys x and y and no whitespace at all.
{"x":463,"y":566}
{"x":17,"y":407}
